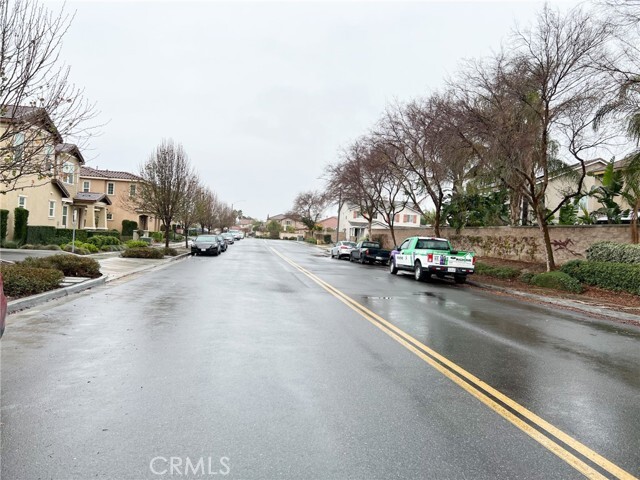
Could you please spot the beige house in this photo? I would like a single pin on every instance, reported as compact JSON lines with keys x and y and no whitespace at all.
{"x":119,"y":187}
{"x":57,"y":201}
{"x":595,"y":170}
{"x":354,"y":227}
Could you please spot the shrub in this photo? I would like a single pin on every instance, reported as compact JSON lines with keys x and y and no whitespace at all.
{"x":20,"y":220}
{"x":526,"y":277}
{"x":157,"y":236}
{"x":313,"y":241}
{"x":10,"y":244}
{"x":327,"y":238}
{"x":558,"y":281}
{"x":614,"y":252}
{"x":609,"y":275}
{"x":27,"y":246}
{"x":41,"y":235}
{"x":172,"y":252}
{"x":102,"y":240}
{"x":51,"y":247}
{"x":69,"y":265}
{"x":136,"y":244}
{"x":128,"y":226}
{"x":497,"y":272}
{"x":4,"y":221}
{"x":65,"y":235}
{"x":80,"y":247}
{"x":103,"y":233}
{"x":20,"y":281}
{"x":143,"y":252}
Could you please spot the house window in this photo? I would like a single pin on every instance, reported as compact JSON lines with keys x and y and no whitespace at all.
{"x":396,"y":217}
{"x":111,"y":188}
{"x":52,"y":208}
{"x":65,"y":213}
{"x":375,"y":216}
{"x":22,"y":201}
{"x":109,"y":216}
{"x":18,"y":147}
{"x":68,"y":173}
{"x":86,"y":186}
{"x":132,"y":190}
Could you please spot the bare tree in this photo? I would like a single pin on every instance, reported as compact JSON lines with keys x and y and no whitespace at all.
{"x":309,"y":206}
{"x":353,"y":177}
{"x":532,"y":111}
{"x":166,"y":176}
{"x":188,"y":212}
{"x":39,"y":106}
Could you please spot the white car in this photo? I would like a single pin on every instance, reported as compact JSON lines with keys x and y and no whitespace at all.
{"x":342,"y":249}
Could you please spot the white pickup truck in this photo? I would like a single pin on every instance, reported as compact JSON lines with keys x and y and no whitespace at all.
{"x":425,"y":256}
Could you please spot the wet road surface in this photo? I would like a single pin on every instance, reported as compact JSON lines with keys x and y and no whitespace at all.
{"x":244,"y":363}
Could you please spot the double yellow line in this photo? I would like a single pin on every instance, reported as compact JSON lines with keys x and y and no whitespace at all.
{"x":482,"y":391}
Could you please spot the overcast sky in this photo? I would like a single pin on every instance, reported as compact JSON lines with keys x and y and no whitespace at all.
{"x":262,"y":95}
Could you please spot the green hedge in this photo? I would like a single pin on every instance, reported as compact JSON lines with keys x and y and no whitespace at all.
{"x":41,"y":235}
{"x":498,"y":272}
{"x":172,"y":252}
{"x":143,"y":252}
{"x":609,"y":275}
{"x":136,"y":244}
{"x":102,"y":240}
{"x":4,"y":222}
{"x":20,"y":280}
{"x":65,"y":235}
{"x":81,"y":248}
{"x":558,"y":281}
{"x":614,"y":252}
{"x":103,"y":233}
{"x":20,"y":221}
{"x":128,"y":226}
{"x":157,"y":236}
{"x":69,"y":265}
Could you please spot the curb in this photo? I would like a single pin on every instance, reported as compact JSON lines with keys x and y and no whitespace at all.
{"x":34,"y":300}
{"x":562,"y":302}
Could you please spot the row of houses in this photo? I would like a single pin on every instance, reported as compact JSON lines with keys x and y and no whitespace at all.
{"x":69,"y":194}
{"x":350,"y":225}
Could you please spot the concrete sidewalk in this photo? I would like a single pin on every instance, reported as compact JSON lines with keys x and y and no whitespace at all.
{"x":112,"y":267}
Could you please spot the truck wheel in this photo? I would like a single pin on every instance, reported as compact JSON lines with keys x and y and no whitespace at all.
{"x":418,"y":273}
{"x":392,"y":267}
{"x":361,"y":259}
{"x":459,"y":279}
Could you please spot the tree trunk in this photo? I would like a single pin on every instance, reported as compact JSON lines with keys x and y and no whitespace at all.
{"x":436,"y":221}
{"x":167,"y":230}
{"x":544,"y":228}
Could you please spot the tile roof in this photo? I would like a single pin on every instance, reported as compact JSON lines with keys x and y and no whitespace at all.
{"x":71,"y":149}
{"x":19,"y":113}
{"x":92,"y":197}
{"x":107,"y":174}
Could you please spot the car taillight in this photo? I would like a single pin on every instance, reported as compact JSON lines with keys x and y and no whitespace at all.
{"x":430,"y":257}
{"x":473,"y":261}
{"x":343,"y":247}
{"x":366,"y":252}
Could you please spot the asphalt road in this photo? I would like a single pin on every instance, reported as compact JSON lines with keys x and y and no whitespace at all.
{"x":275,"y":361}
{"x":17,"y":255}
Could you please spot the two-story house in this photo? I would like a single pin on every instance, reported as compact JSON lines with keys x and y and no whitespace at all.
{"x":48,"y":187}
{"x":355,"y":226}
{"x":120,"y":188}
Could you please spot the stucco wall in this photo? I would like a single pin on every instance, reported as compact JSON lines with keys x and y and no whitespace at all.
{"x":521,"y":243}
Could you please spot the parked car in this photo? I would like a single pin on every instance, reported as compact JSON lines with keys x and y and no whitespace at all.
{"x":3,"y":306}
{"x":430,"y":255}
{"x":237,"y":234}
{"x":342,"y":249}
{"x":206,"y":245}
{"x":369,"y":252}
{"x":228,"y":237}
{"x":223,"y":243}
